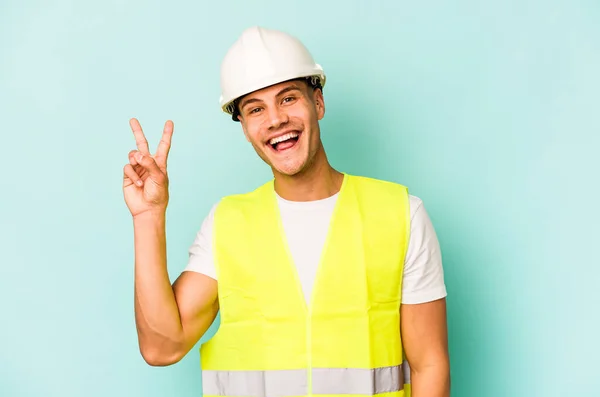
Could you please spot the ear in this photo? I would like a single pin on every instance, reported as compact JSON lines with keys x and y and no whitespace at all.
{"x":319,"y":103}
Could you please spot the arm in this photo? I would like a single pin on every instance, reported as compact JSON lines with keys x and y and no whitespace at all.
{"x":169,"y":319}
{"x":423,"y":310}
{"x":424,"y":336}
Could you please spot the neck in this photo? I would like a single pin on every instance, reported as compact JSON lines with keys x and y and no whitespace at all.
{"x":317,"y":182}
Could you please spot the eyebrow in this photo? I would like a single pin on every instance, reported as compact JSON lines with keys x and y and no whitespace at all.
{"x":283,"y":91}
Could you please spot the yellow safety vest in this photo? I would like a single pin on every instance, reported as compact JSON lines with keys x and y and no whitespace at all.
{"x":347,"y":341}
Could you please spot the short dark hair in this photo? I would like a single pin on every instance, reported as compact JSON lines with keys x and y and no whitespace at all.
{"x":313,"y":81}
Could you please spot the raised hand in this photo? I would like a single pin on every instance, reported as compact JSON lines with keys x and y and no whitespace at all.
{"x":145,"y":180}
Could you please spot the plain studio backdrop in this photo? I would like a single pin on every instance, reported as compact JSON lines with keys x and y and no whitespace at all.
{"x":486,"y":110}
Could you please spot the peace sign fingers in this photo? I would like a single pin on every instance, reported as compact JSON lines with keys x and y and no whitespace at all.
{"x":140,"y":138}
{"x":164,"y":145}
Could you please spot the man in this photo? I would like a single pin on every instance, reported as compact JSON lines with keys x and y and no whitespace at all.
{"x":327,"y":283}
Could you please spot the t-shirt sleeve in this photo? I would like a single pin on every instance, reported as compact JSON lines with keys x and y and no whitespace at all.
{"x":423,"y":279}
{"x":200,"y":258}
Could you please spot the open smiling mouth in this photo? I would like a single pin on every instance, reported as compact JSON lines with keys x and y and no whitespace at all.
{"x":285,"y":142}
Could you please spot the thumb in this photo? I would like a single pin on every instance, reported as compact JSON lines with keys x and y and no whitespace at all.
{"x":150,"y":165}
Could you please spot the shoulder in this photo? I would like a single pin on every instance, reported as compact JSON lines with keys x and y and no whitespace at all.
{"x":378,"y":191}
{"x":416,"y":206}
{"x":376,"y":183}
{"x":399,"y":196}
{"x":245,"y":198}
{"x":232,"y":208}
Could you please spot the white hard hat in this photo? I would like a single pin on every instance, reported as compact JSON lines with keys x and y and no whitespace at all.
{"x":260,"y":58}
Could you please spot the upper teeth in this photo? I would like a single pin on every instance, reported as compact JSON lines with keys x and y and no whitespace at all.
{"x":283,"y":138}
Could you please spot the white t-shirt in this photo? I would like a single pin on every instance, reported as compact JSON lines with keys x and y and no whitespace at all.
{"x":306,"y":225}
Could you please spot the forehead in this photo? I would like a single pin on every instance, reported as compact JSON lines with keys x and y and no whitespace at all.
{"x":274,"y":90}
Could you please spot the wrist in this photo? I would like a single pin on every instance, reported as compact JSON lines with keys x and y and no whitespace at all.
{"x":154,"y":216}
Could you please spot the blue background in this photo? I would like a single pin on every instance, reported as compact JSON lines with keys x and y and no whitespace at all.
{"x":488,"y":111}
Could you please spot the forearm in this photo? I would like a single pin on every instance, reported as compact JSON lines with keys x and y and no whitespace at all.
{"x":431,"y":381}
{"x":159,"y":328}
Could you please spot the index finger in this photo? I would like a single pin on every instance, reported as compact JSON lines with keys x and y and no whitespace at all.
{"x":140,"y":138}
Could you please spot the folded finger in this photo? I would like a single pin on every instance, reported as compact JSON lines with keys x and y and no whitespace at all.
{"x":130,"y":173}
{"x":132,"y":159}
{"x":150,"y":166}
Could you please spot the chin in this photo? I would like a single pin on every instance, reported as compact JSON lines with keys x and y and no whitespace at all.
{"x":289,"y":169}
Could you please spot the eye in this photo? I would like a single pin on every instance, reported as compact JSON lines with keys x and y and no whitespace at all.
{"x":288,"y":99}
{"x":254,"y":110}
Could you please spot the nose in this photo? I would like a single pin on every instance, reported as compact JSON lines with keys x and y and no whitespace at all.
{"x":277,"y":117}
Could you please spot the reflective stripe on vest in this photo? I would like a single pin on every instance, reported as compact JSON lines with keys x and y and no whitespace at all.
{"x":279,"y":383}
{"x":285,"y":383}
